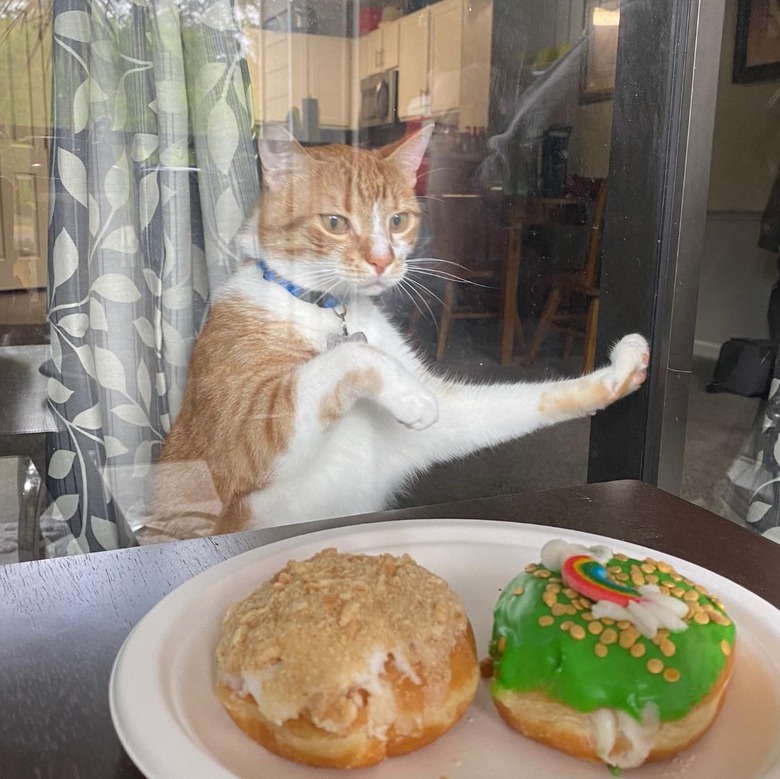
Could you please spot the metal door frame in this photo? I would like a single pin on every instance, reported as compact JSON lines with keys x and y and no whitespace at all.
{"x":663,"y":119}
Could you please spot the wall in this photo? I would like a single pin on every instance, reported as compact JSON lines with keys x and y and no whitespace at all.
{"x":737,"y":276}
{"x":746,"y":145}
{"x":735,"y":282}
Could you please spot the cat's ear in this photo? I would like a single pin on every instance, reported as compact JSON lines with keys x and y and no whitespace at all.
{"x":408,"y":153}
{"x":280,"y":154}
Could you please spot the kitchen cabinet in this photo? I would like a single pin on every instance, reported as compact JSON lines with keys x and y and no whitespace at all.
{"x":283,"y":74}
{"x":378,"y":50}
{"x":294,"y":66}
{"x":445,"y":55}
{"x":444,"y":61}
{"x":328,"y":75}
{"x":413,"y":64}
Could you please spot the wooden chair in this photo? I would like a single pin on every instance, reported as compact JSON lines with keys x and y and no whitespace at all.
{"x":572,"y":305}
{"x":460,"y":233}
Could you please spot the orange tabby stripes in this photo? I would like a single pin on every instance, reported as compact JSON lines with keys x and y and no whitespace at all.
{"x":357,"y":383}
{"x":223,"y":428}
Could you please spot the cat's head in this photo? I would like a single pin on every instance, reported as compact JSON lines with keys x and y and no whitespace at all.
{"x":337,"y":218}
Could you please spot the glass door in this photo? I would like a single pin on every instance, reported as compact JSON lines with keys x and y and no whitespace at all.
{"x":562,"y":198}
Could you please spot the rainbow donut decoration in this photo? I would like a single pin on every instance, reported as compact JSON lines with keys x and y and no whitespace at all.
{"x":590,"y":578}
{"x":584,"y":570}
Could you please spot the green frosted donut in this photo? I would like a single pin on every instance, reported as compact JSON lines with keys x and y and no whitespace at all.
{"x":546,"y":639}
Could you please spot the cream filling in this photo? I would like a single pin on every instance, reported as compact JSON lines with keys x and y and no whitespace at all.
{"x":609,"y":724}
{"x":382,"y":707}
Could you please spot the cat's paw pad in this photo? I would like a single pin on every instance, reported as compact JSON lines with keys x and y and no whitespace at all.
{"x":629,"y":360}
{"x":416,"y":410}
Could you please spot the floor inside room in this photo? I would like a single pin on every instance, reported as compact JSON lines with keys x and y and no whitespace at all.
{"x":718,"y":425}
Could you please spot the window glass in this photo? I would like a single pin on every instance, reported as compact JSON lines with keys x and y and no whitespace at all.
{"x":129,"y":147}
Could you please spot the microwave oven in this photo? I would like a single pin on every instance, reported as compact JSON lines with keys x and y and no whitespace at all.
{"x":379,"y":99}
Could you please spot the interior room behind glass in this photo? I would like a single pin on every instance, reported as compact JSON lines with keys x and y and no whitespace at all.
{"x":514,"y":190}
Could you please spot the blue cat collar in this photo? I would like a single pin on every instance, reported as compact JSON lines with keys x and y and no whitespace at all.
{"x":322,"y":299}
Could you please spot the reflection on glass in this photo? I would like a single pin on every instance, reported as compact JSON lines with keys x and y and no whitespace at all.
{"x":25,"y":216}
{"x":154,"y":171}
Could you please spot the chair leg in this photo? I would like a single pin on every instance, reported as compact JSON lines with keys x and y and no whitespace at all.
{"x":589,"y":357}
{"x":540,"y":333}
{"x":568,"y":342}
{"x":446,"y":319}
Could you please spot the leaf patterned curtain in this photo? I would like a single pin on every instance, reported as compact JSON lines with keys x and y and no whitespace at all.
{"x":753,"y":480}
{"x":153,"y":171}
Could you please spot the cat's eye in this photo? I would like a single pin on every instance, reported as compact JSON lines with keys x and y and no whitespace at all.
{"x":333,"y":223}
{"x":399,"y":222}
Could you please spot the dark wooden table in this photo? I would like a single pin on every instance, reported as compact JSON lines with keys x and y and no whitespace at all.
{"x":63,"y":621}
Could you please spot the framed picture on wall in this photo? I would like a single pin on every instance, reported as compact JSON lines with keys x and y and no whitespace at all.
{"x":757,"y":46}
{"x":599,"y":56}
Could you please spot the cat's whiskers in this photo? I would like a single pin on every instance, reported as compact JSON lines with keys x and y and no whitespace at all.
{"x":406,"y":287}
{"x":435,"y":260}
{"x":451,"y":277}
{"x":418,"y":285}
{"x":437,"y":272}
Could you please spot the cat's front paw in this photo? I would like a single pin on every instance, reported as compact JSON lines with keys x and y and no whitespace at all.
{"x":416,"y":409}
{"x":628,"y":360}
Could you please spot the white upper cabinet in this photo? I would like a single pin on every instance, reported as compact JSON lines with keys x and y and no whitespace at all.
{"x":329,"y":76}
{"x":442,"y":53}
{"x":294,"y":66}
{"x":444,"y":61}
{"x":445,"y":55}
{"x":378,"y":49}
{"x":413,"y":64}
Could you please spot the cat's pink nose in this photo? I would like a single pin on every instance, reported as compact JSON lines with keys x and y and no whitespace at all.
{"x":380,"y":261}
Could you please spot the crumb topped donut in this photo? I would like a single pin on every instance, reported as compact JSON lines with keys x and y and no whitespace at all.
{"x":343,"y":660}
{"x":609,"y":658}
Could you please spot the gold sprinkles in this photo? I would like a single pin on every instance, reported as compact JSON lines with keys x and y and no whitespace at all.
{"x":667,"y":648}
{"x":654,"y":665}
{"x":609,"y":636}
{"x":595,"y":627}
{"x":571,"y":612}
{"x":577,"y":631}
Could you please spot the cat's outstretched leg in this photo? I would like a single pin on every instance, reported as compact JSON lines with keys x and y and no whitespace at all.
{"x":474,"y":416}
{"x":626,"y":372}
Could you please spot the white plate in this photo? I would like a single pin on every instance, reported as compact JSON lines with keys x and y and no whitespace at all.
{"x":172,"y":725}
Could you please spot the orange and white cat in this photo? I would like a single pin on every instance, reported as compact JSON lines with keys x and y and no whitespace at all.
{"x":303,"y":400}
